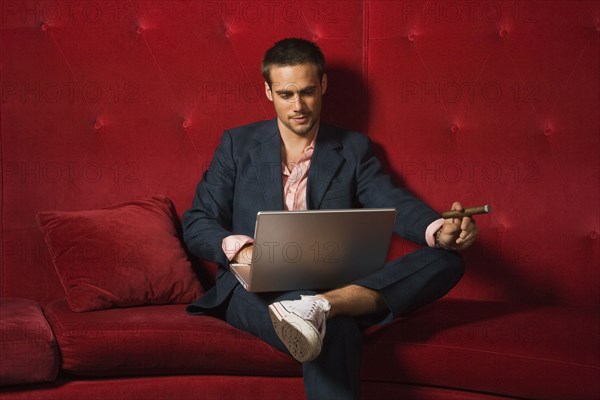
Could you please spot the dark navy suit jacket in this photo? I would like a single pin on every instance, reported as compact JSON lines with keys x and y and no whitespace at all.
{"x":245,"y":177}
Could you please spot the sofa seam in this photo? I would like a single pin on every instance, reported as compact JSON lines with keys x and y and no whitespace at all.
{"x":503,"y":354}
{"x":2,"y":264}
{"x":365,"y":65}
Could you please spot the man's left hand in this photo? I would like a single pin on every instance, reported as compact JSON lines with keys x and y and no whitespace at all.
{"x":458,"y":233}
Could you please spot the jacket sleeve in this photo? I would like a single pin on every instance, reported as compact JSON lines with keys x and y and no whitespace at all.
{"x":209,"y":220}
{"x":375,"y":189}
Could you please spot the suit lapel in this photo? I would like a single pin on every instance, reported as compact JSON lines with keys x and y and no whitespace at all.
{"x":266,"y":160}
{"x":325,"y":162}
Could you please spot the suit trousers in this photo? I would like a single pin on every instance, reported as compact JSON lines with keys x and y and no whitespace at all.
{"x":405,"y":284}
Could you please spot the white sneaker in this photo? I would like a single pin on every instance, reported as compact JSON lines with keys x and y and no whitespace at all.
{"x":300,"y":324}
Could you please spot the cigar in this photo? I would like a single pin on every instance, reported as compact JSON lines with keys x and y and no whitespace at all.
{"x":467,"y":212}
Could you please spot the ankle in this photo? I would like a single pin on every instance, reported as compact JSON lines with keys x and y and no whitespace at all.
{"x":353,"y":300}
{"x":328,"y":305}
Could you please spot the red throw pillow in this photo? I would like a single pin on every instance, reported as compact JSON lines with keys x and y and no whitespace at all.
{"x":129,"y":254}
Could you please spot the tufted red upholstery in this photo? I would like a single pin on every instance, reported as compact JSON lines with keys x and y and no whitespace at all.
{"x":105,"y":102}
{"x":493,"y":102}
{"x":487,"y":102}
{"x":498,"y":102}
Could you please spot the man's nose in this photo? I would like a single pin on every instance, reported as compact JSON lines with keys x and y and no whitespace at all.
{"x":297,"y":103}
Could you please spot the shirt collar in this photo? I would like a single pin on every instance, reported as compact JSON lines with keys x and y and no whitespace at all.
{"x":306,"y":155}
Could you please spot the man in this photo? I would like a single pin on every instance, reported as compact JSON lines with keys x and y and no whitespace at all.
{"x":296,"y":162}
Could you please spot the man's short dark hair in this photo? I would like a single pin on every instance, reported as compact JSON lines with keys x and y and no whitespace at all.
{"x":290,"y":52}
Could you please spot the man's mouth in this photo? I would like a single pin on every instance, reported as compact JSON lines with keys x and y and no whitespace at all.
{"x":301,"y":118}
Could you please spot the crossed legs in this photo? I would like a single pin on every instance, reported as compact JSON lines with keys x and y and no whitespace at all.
{"x":400,"y":287}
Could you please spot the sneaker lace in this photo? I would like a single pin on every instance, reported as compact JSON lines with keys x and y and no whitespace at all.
{"x":312,"y":311}
{"x":317,"y":318}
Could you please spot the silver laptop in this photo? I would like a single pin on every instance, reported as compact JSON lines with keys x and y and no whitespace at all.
{"x":315,"y":249}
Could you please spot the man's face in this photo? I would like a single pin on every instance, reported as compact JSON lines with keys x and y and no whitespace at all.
{"x":297,"y":94}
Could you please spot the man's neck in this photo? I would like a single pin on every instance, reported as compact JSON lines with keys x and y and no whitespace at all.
{"x":293,"y":145}
{"x":293,"y":141}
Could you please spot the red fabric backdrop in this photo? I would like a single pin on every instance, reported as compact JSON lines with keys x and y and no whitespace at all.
{"x":487,"y":102}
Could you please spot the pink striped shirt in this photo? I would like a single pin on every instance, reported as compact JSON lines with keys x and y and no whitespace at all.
{"x":294,"y":181}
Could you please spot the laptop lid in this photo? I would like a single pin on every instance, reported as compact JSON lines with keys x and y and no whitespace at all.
{"x":317,"y":249}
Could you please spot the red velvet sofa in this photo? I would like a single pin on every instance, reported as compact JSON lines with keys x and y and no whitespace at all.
{"x":105,"y":103}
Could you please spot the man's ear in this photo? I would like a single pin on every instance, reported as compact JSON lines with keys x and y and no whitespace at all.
{"x":323,"y":84}
{"x":268,"y":91}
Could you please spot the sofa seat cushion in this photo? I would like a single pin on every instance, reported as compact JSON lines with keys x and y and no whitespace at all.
{"x":479,"y":346}
{"x":161,"y":339}
{"x":28,"y":351}
{"x":500,"y":348}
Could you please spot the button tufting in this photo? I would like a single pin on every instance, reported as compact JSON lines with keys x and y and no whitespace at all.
{"x":225,"y":30}
{"x":548,"y":131}
{"x":503,"y":33}
{"x":501,"y":228}
{"x":45,"y":26}
{"x":412,"y":36}
{"x":593,"y":235}
{"x":454,"y":128}
{"x":186,"y":123}
{"x":315,"y":37}
{"x":98,"y":125}
{"x":139,"y":30}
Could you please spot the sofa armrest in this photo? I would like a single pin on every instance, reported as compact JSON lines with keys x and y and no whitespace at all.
{"x":27,"y":344}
